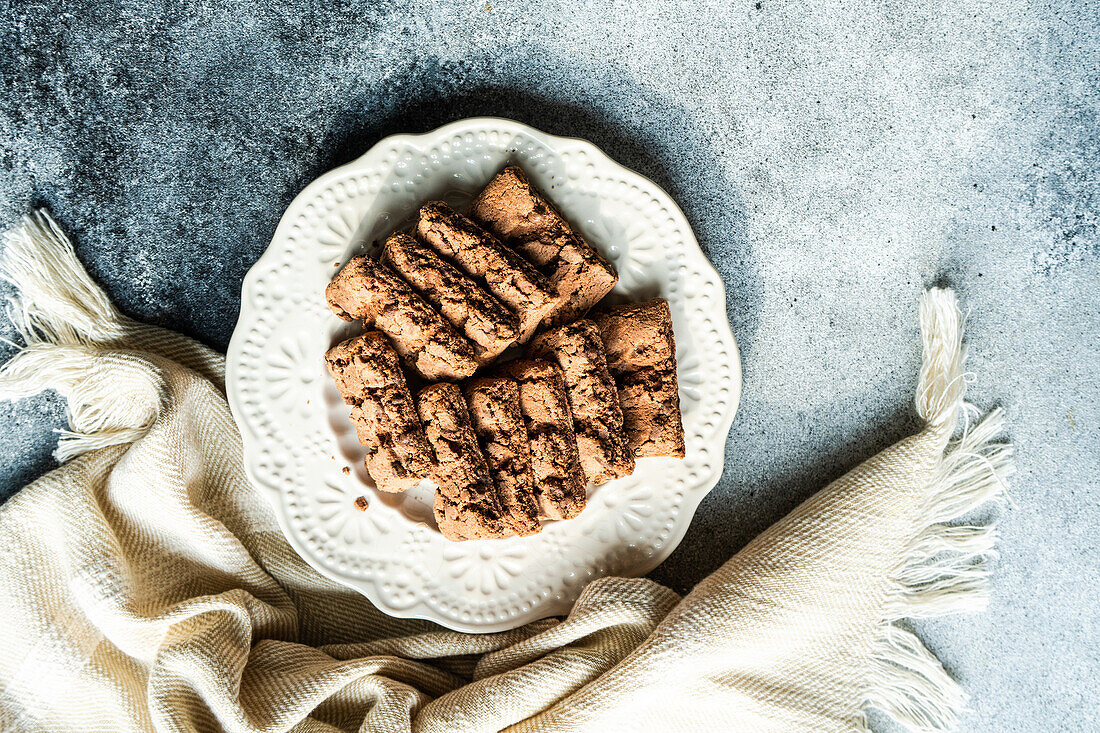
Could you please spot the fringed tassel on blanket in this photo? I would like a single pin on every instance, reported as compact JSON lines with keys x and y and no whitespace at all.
{"x":944,"y":570}
{"x":65,"y":319}
{"x":58,"y":302}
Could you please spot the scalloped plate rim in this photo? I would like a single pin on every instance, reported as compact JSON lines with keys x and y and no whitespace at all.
{"x":553,"y":606}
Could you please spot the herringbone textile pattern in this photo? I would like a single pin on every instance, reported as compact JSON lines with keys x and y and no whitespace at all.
{"x":144,"y":584}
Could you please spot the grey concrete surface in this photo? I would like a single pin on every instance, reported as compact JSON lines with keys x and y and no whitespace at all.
{"x":834,"y":158}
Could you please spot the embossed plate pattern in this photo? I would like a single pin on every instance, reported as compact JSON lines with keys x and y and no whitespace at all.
{"x":297,"y":438}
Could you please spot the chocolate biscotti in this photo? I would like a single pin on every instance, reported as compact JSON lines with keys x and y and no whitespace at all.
{"x":641,"y":356}
{"x":593,"y":399}
{"x":495,"y":413}
{"x":507,"y":275}
{"x":466,"y":305}
{"x":522,"y":217}
{"x":368,"y":374}
{"x":466,"y":505}
{"x":371,"y":291}
{"x":559,"y":479}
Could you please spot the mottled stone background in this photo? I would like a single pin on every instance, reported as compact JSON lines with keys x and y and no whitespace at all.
{"x":834,"y":158}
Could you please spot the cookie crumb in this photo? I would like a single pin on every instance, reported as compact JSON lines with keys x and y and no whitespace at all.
{"x":361,"y":503}
{"x":346,"y":470}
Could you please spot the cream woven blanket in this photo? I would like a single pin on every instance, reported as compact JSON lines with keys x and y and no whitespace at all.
{"x":144,"y":584}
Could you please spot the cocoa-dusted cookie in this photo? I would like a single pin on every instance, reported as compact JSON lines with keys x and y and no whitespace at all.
{"x":641,"y":355}
{"x":524,"y":218}
{"x":559,"y":479}
{"x":368,"y":374}
{"x":371,"y":291}
{"x":466,"y":505}
{"x":593,"y":399}
{"x":507,"y":275}
{"x":495,"y":413}
{"x":466,"y":305}
{"x":651,"y":412}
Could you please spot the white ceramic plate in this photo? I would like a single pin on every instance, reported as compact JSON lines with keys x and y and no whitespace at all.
{"x":298,"y":439}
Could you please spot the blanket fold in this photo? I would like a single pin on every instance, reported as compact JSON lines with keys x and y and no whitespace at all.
{"x":144,"y":584}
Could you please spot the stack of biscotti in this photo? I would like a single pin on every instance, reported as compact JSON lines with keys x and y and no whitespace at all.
{"x":457,"y":291}
{"x":516,"y":212}
{"x":505,"y":453}
{"x":519,"y":443}
{"x":597,"y":415}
